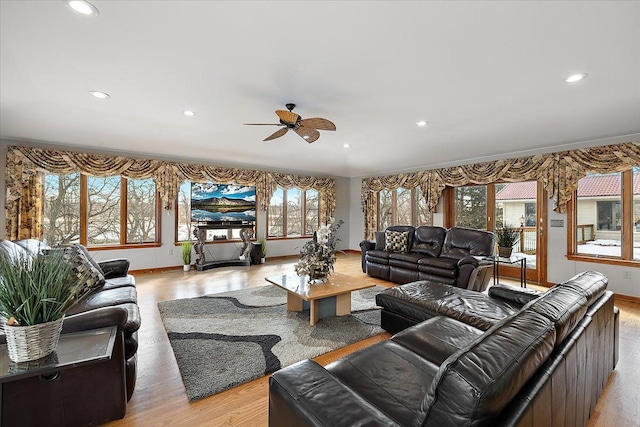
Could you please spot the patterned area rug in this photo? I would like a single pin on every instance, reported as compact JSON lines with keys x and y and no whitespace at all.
{"x":223,"y":340}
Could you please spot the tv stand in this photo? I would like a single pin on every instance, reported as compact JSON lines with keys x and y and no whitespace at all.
{"x":200,"y":234}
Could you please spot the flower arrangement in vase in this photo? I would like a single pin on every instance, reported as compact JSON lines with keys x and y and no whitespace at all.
{"x":318,"y":255}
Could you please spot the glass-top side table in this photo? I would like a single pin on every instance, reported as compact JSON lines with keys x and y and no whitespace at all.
{"x":513,"y":259}
{"x":73,"y":350}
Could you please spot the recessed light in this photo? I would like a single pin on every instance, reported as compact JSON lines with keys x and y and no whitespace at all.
{"x":83,"y":7}
{"x":346,"y":145}
{"x":422,"y":123}
{"x":575,"y":78}
{"x":99,"y":95}
{"x":189,"y":113}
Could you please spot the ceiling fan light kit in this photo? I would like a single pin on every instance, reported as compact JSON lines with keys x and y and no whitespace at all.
{"x":306,"y":128}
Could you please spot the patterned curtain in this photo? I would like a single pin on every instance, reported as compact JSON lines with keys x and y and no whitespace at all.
{"x":558,"y":172}
{"x":26,"y":167}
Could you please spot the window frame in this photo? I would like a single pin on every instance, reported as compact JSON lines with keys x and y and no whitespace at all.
{"x":394,"y":207}
{"x":303,"y":201}
{"x":84,"y":202}
{"x":626,"y":252}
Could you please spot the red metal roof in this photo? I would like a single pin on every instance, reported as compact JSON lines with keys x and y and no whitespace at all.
{"x":589,"y":186}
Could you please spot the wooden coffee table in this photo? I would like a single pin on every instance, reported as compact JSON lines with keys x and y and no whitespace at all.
{"x":326,"y":299}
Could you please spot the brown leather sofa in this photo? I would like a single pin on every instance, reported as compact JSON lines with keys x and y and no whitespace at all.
{"x":453,"y":256}
{"x":543,"y":364}
{"x":112,"y":304}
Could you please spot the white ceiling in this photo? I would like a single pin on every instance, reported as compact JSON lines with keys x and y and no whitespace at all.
{"x":487,"y":76}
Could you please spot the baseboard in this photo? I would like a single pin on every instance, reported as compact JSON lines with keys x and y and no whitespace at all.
{"x":626,"y":298}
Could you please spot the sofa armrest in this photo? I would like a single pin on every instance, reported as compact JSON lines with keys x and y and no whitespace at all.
{"x":98,"y":318}
{"x":366,"y":245}
{"x":114,"y":267}
{"x":306,"y":394}
{"x":513,"y":294}
{"x":473,"y":273}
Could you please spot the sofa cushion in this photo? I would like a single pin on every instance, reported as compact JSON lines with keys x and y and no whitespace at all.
{"x":591,"y":284}
{"x":428,"y":240}
{"x":423,"y":299}
{"x":562,"y":306}
{"x":396,"y":241}
{"x":389,"y":376}
{"x":461,"y":242}
{"x":408,"y":260}
{"x":437,"y":338}
{"x":105,"y":298}
{"x":477,"y":382}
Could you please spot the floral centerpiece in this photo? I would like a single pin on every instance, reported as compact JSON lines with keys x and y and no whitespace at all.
{"x":317,"y":256}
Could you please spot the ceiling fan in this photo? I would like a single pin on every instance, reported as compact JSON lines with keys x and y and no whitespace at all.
{"x":306,"y":128}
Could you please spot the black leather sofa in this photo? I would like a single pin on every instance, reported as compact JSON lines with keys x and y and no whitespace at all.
{"x":453,"y":256}
{"x":544,"y":364}
{"x":112,"y":304}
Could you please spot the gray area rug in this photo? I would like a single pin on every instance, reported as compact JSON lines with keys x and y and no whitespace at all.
{"x":224,"y":340}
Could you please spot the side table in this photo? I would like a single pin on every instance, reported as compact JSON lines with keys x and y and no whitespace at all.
{"x":513,"y":259}
{"x":74,"y":385}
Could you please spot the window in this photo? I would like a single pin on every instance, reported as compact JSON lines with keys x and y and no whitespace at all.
{"x":470,"y":207}
{"x":117,"y":211}
{"x":183,"y":213}
{"x":402,"y":206}
{"x":293,"y":211}
{"x":605,"y":215}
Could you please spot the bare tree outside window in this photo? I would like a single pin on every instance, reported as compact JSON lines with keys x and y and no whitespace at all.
{"x":294,"y":212}
{"x":61,"y":209}
{"x":184,"y":212}
{"x":312,"y":216}
{"x":103,"y":210}
{"x":403,"y":207}
{"x":276,"y":214}
{"x":385,"y":210}
{"x":423,"y":216}
{"x":141,"y":211}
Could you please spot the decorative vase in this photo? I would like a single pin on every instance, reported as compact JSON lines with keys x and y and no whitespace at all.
{"x":263,"y":260}
{"x":26,"y":343}
{"x":317,"y":276}
{"x":186,"y":267}
{"x":504,"y":252}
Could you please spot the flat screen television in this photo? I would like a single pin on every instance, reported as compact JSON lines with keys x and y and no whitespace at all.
{"x":211,"y":202}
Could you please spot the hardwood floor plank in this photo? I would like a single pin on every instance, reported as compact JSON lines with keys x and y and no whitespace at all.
{"x":160,"y":398}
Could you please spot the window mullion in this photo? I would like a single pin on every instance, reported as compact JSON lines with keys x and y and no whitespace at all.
{"x":84,"y":209}
{"x":123,"y":210}
{"x":627,"y":214}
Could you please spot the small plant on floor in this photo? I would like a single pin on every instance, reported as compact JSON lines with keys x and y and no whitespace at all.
{"x":263,"y":248}
{"x":187,"y":246}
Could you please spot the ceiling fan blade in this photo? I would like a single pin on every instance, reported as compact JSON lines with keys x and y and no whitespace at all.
{"x":308,"y":134}
{"x":288,"y":116}
{"x":276,"y":134}
{"x":318,"y":123}
{"x":263,"y":124}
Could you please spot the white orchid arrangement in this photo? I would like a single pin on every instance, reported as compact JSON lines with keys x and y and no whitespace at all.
{"x":318,"y":255}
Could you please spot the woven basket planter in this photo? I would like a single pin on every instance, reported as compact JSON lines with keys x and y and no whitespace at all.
{"x":26,"y":343}
{"x":504,"y":252}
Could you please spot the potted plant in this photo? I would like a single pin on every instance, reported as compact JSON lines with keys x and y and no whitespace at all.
{"x":187,"y":247}
{"x":263,"y":249}
{"x":35,"y":292}
{"x":506,"y":238}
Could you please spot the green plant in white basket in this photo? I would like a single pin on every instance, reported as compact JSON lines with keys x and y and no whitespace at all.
{"x":38,"y":289}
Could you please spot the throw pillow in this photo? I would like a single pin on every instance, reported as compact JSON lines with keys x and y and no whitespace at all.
{"x":83,"y":268}
{"x":380,"y":241}
{"x":396,"y":241}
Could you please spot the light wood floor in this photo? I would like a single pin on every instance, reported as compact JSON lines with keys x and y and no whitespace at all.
{"x":160,"y":399}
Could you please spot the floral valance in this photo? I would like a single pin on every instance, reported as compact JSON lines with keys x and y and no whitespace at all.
{"x":558,"y":172}
{"x":25,"y":165}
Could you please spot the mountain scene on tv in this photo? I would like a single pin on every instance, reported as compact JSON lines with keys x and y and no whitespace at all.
{"x":222,"y":202}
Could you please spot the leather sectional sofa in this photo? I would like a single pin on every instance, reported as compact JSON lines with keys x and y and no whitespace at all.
{"x":453,"y":256}
{"x":545,"y":363}
{"x":114,"y":303}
